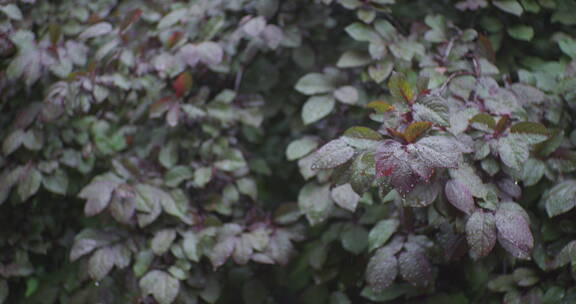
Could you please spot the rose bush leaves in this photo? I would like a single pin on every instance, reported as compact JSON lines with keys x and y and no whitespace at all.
{"x":148,"y":148}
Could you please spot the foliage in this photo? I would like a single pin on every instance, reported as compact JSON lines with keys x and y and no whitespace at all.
{"x":333,"y":151}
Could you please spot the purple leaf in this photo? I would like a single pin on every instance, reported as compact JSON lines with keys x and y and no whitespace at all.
{"x":382,"y":270}
{"x":514,"y":230}
{"x":509,"y":188}
{"x":407,"y":164}
{"x":162,"y":241}
{"x":459,"y":196}
{"x":422,"y":195}
{"x":415,"y":268}
{"x":189,"y":53}
{"x":481,"y":233}
{"x":254,"y":26}
{"x":273,"y":36}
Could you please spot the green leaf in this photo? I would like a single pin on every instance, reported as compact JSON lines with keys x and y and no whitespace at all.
{"x":400,"y":88}
{"x":361,"y":137}
{"x":315,"y":202}
{"x":568,"y":46}
{"x":316,"y":108}
{"x":531,"y":132}
{"x":162,"y":286}
{"x":521,"y":32}
{"x":513,"y":151}
{"x":13,"y":12}
{"x":509,"y":6}
{"x":353,"y":59}
{"x":386,"y":30}
{"x":532,"y":171}
{"x":57,"y":182}
{"x":202,"y":176}
{"x":360,"y":32}
{"x":345,"y":197}
{"x":168,"y":156}
{"x":100,"y":263}
{"x":98,"y":193}
{"x":162,"y":241}
{"x":415,"y":130}
{"x":561,"y":198}
{"x":380,"y":71}
{"x":176,"y":175}
{"x":432,"y":109}
{"x":381,"y":233}
{"x":29,"y":184}
{"x":142,"y":262}
{"x":354,"y":239}
{"x":347,"y":95}
{"x":566,"y":255}
{"x":12,"y":142}
{"x":301,"y":147}
{"x":190,"y":246}
{"x":333,"y":154}
{"x":314,"y":83}
{"x":483,"y":122}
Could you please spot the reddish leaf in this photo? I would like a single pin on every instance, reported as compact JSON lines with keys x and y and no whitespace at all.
{"x":182,"y":84}
{"x":380,"y":106}
{"x":514,"y":230}
{"x":415,"y":268}
{"x":415,"y":129}
{"x":400,"y":88}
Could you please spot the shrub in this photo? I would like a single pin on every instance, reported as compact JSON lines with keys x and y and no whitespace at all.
{"x":266,"y":151}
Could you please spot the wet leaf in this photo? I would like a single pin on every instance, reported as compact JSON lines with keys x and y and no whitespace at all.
{"x":382,"y":270}
{"x":315,"y":202}
{"x":162,"y":286}
{"x":561,"y":198}
{"x":314,"y":83}
{"x":345,"y":197}
{"x":381,"y":233}
{"x":316,"y":108}
{"x":332,"y":154}
{"x":514,"y":230}
{"x":481,"y":233}
{"x":459,"y":196}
